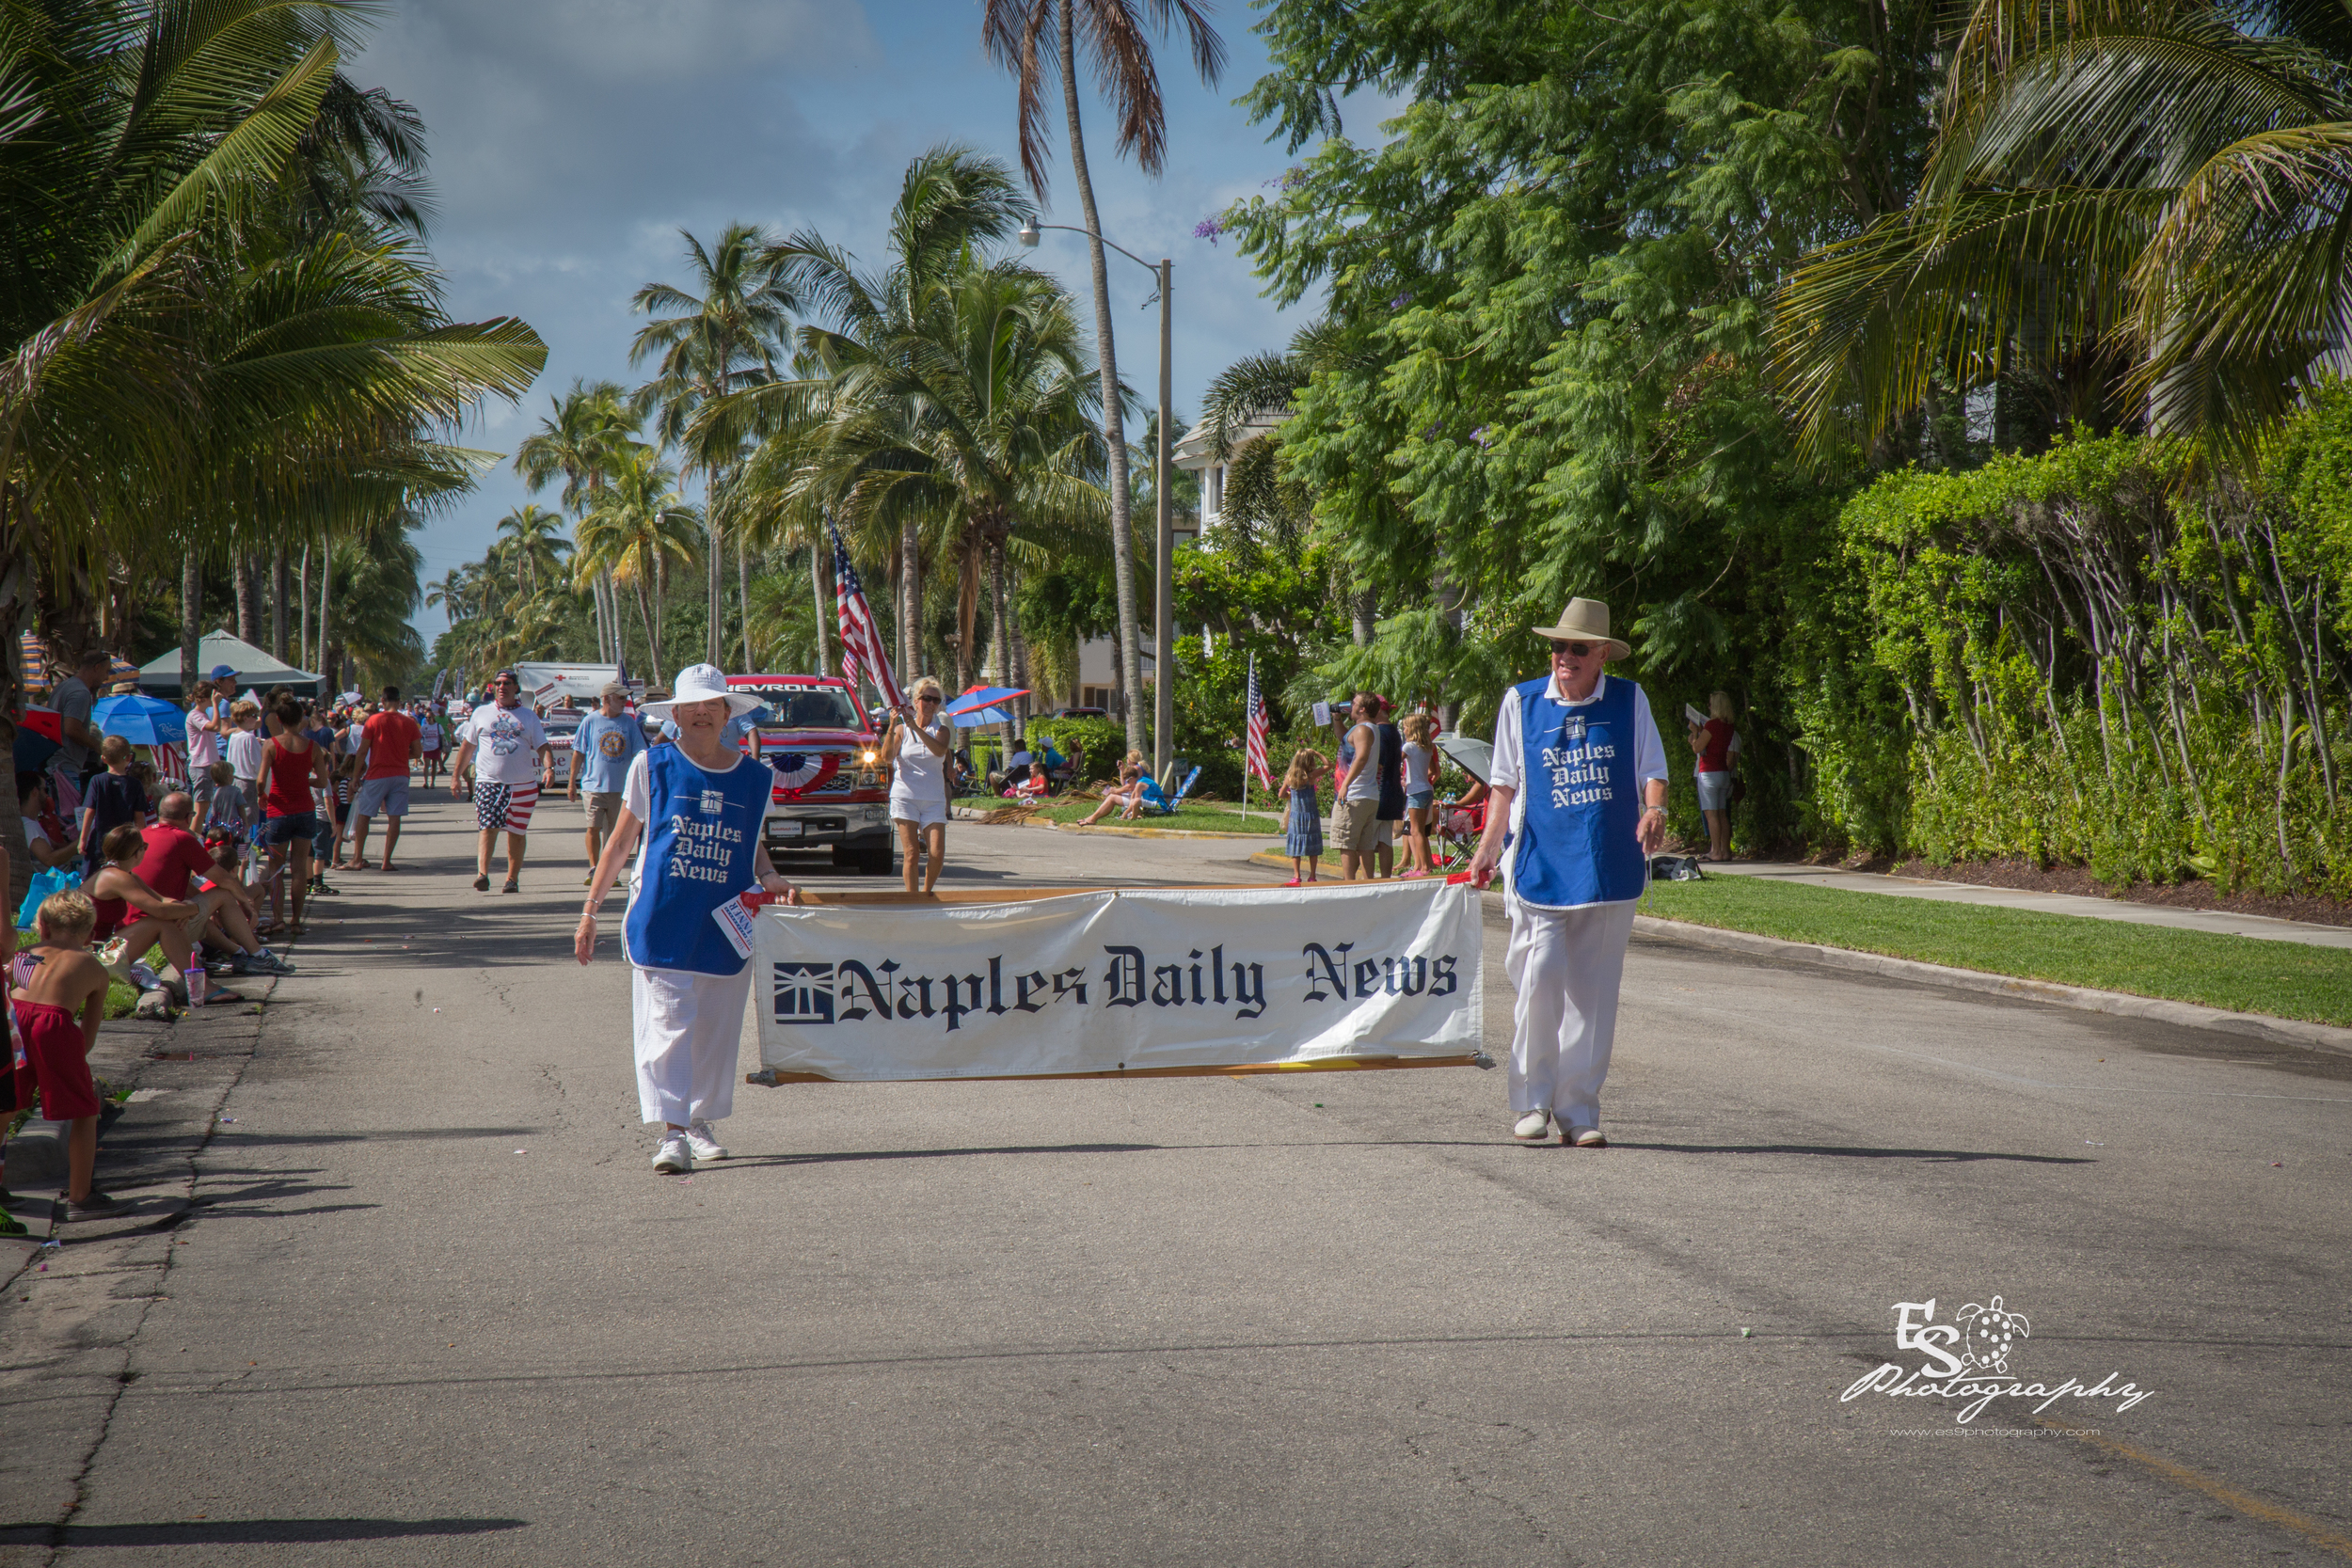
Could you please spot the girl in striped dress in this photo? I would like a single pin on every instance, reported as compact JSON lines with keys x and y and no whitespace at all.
{"x":1305,"y":842}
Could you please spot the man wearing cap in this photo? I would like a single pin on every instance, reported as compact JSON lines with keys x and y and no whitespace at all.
{"x":699,"y":805}
{"x":507,"y":746}
{"x":607,"y":741}
{"x":1579,"y":778}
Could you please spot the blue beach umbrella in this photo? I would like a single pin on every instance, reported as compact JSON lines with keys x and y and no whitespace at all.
{"x":972,"y":718}
{"x":141,"y":720}
{"x":980,"y":697}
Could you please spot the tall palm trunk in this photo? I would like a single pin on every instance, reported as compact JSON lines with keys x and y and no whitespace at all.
{"x":191,"y":616}
{"x":330,"y":656}
{"x":1114,"y":425}
{"x":743,"y":594}
{"x":653,"y":642}
{"x":816,"y":591}
{"x":277,"y":602}
{"x":1020,"y":655}
{"x":303,"y":599}
{"x":910,"y":623}
{"x":1000,"y":629}
{"x":660,"y":604}
{"x":715,"y":643}
{"x":248,"y":581}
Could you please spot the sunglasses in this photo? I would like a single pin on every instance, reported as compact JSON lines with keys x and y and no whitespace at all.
{"x":1574,"y":650}
{"x":927,"y":699}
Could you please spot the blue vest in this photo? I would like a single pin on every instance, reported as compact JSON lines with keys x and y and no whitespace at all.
{"x":1583,"y":801}
{"x":700,"y":844}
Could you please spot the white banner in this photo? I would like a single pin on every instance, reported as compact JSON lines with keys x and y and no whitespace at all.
{"x":1119,"y":981}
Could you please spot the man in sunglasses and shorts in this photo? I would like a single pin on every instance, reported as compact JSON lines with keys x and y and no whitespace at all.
{"x":507,"y":746}
{"x":1579,"y":788}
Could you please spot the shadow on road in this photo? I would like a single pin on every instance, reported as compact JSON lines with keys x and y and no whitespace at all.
{"x":751,"y":1160}
{"x":225,"y":1533}
{"x":1955,"y":1156}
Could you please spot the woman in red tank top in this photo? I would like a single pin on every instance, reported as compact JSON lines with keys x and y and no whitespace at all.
{"x":291,"y":763}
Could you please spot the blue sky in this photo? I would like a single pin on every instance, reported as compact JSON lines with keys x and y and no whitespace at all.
{"x":572,"y":139}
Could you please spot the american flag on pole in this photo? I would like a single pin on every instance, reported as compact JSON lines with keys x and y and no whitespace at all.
{"x":1260,"y":722}
{"x":862,"y":650}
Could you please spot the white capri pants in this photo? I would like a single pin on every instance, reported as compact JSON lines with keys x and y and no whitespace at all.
{"x":689,"y":1028}
{"x":1564,"y":968}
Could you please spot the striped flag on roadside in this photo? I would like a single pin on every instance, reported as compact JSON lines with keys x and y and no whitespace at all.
{"x":862,"y":650}
{"x":1260,"y":722}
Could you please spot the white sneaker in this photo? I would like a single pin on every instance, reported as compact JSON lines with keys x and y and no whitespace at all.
{"x":1584,"y":1137}
{"x":1533,"y":1128}
{"x":702,"y":1139}
{"x":672,"y":1158}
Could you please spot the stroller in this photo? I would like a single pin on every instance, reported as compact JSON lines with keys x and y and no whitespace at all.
{"x":1458,"y":825}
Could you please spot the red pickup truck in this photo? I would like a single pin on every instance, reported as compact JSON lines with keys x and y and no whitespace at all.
{"x":831,"y":789}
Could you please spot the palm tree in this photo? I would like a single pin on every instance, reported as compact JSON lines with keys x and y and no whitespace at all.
{"x":180,"y":375}
{"x":638,"y":526}
{"x":980,"y":419}
{"x":534,"y":538}
{"x":952,"y":202}
{"x":709,"y":344}
{"x":2140,"y":206}
{"x":584,"y":432}
{"x":1031,"y":39}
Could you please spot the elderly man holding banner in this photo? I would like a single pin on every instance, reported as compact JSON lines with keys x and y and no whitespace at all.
{"x":687,"y":930}
{"x":1580,"y":781}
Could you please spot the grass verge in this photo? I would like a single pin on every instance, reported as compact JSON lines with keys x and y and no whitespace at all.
{"x":1193,"y":815}
{"x":2245,"y":974}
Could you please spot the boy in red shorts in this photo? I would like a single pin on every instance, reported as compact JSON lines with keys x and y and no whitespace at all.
{"x":67,"y":981}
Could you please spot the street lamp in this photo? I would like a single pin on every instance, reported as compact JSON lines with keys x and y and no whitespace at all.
{"x":1164,"y":575}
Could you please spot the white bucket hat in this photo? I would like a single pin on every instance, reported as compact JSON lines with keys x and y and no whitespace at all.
{"x":699,"y":683}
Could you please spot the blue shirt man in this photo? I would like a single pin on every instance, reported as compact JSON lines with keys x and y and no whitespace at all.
{"x":607,"y":741}
{"x":603,"y":747}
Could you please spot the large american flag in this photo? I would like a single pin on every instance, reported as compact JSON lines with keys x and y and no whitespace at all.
{"x":862,"y":650}
{"x":1260,"y":722}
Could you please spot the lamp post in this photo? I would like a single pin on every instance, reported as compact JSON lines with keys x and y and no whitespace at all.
{"x":1164,"y":572}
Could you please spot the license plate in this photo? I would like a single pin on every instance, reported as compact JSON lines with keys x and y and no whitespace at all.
{"x":783,"y":830}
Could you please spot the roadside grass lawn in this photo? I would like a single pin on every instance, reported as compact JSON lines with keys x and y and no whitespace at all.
{"x":2245,"y":975}
{"x":1215,"y":817}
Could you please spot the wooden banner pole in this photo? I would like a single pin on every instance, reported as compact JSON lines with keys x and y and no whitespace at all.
{"x":771,"y":1077}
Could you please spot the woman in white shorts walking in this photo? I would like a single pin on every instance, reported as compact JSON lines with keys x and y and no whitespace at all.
{"x":917,"y":747}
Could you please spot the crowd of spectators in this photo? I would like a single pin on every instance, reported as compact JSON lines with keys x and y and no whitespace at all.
{"x":178,"y":886}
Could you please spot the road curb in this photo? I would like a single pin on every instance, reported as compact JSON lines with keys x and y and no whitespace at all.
{"x":2276,"y":1031}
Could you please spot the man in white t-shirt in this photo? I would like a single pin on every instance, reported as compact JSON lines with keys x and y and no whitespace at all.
{"x":507,"y":747}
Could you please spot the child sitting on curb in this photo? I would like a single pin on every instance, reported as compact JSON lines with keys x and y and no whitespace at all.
{"x":56,"y":978}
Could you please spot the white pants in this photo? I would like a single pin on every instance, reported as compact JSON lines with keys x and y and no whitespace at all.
{"x":689,"y":1028}
{"x":1564,"y":968}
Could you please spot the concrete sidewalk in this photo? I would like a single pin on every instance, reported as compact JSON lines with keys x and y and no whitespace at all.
{"x":2219,"y":922}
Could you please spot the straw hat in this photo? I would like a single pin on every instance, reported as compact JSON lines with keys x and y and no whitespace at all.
{"x":1587,"y":621}
{"x":699,"y":683}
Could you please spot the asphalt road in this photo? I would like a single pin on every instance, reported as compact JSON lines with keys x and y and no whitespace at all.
{"x":430,"y":1304}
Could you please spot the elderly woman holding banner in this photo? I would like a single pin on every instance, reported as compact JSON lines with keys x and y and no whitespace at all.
{"x":1579,"y":778}
{"x":699,"y":804}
